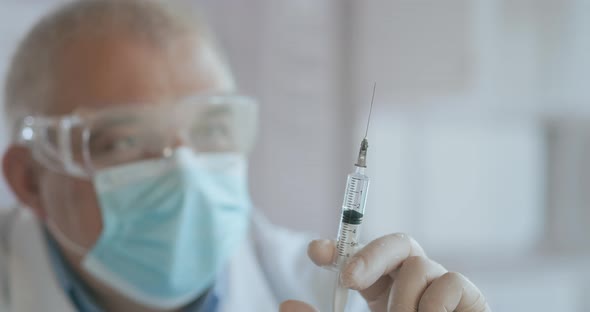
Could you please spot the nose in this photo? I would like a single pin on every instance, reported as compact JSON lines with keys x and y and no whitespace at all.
{"x":177,"y":141}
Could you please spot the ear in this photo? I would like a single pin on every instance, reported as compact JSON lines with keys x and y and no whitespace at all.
{"x":21,"y":173}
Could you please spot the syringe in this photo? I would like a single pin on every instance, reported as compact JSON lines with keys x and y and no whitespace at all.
{"x":353,"y":210}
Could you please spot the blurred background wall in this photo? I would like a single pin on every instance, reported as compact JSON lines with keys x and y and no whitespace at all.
{"x":480,"y":138}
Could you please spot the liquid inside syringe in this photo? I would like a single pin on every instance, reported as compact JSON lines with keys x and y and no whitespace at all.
{"x":353,"y":210}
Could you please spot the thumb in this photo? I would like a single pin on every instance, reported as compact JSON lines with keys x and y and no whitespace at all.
{"x":296,"y":306}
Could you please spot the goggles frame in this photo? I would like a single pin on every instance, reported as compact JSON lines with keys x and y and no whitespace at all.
{"x":56,"y":153}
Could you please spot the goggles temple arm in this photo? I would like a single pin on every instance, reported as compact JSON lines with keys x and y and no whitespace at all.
{"x":65,"y":148}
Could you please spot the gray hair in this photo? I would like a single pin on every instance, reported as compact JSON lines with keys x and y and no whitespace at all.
{"x":28,"y":85}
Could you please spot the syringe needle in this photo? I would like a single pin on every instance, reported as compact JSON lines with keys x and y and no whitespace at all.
{"x":370,"y":109}
{"x":362,"y":158}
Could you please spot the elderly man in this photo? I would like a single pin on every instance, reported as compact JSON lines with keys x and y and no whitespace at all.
{"x":129,"y":161}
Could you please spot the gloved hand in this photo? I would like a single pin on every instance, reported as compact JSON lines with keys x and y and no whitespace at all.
{"x":393,"y":274}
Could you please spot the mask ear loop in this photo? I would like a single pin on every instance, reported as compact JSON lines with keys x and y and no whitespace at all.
{"x":71,"y":218}
{"x":72,"y":223}
{"x":64,"y":240}
{"x":65,"y":150}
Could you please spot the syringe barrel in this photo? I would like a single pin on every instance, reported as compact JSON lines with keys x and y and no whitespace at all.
{"x":353,"y":210}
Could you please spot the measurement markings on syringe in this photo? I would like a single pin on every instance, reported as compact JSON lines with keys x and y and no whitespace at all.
{"x":344,"y":239}
{"x":351,"y":220}
{"x":350,"y":196}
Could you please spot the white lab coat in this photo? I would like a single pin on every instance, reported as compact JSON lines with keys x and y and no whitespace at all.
{"x":271,"y":266}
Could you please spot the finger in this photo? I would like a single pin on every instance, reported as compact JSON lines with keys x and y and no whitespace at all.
{"x":415,"y":274}
{"x":380,"y":257}
{"x":322,"y":251}
{"x":296,"y":306}
{"x":453,"y":292}
{"x":376,"y":295}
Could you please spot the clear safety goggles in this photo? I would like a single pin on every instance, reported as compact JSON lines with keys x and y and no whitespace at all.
{"x":83,"y":143}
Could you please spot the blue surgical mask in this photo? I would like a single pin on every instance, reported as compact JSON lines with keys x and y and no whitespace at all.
{"x":169,"y":225}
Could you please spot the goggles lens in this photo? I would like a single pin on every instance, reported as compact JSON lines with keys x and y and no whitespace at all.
{"x":112,"y":137}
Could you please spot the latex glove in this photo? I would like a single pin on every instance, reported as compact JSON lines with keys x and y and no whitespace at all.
{"x":393,"y":274}
{"x":296,"y":306}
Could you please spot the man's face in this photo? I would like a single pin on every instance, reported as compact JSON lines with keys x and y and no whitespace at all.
{"x":95,"y":73}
